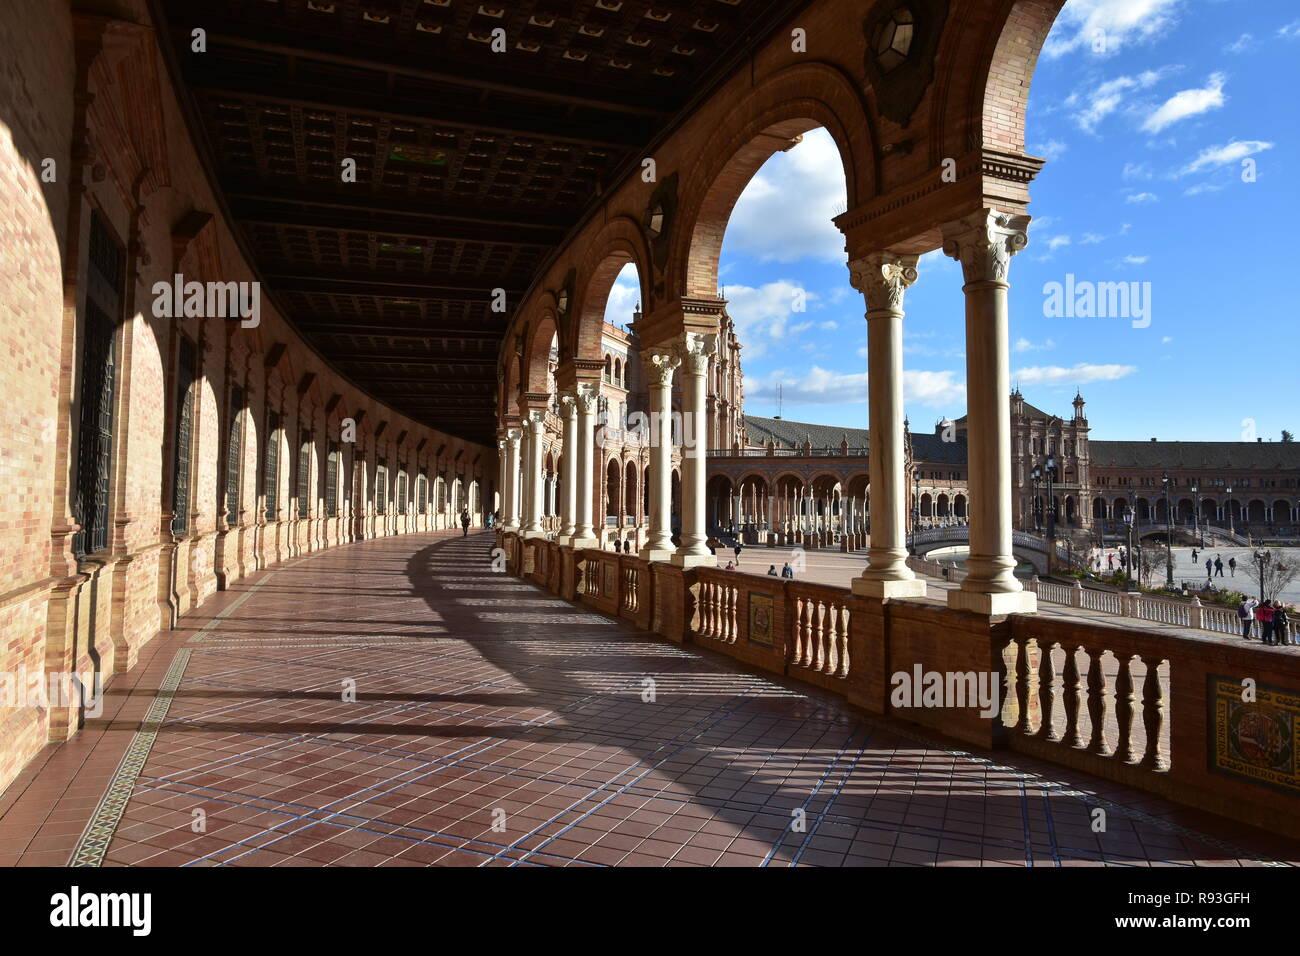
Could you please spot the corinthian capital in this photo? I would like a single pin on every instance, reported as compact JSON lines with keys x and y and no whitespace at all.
{"x":882,"y":278}
{"x":695,"y":350}
{"x":586,"y":398}
{"x":660,"y":365}
{"x":568,"y":405}
{"x":984,"y":243}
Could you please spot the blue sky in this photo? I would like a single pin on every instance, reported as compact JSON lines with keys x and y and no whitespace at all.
{"x":1145,"y":183}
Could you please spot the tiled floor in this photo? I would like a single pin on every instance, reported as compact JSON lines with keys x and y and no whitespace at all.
{"x":396,"y":703}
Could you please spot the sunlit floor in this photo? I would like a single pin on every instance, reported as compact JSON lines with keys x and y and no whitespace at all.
{"x":395,"y":702}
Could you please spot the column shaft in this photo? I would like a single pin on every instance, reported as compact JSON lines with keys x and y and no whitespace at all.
{"x":694,"y":353}
{"x":585,"y":533}
{"x":659,"y":372}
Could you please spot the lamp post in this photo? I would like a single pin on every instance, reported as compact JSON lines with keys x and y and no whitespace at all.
{"x":1231,"y":528}
{"x":1196,"y":513}
{"x":1169,"y":534}
{"x":1262,"y":558}
{"x":916,"y":510}
{"x":1036,"y":476}
{"x":1128,"y":557}
{"x":1050,"y":469}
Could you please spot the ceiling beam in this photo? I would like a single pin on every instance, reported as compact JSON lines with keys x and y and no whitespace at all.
{"x":348,"y":52}
{"x":545,"y":127}
{"x":387,"y":287}
{"x":251,"y":213}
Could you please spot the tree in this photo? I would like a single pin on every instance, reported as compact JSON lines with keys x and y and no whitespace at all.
{"x":1153,"y":556}
{"x":1274,"y":574}
{"x":1287,"y":436}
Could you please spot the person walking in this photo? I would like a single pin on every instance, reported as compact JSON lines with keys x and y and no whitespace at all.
{"x":787,"y":571}
{"x":1232,"y":566}
{"x":1246,"y":614}
{"x":1218,"y":565}
{"x":1209,"y":568}
{"x":464,"y":523}
{"x":772,"y":571}
{"x":1193,"y":555}
{"x":1281,"y":624}
{"x":1110,"y":562}
{"x":737,"y":550}
{"x":1264,"y":614}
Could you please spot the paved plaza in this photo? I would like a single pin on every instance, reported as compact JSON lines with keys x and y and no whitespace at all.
{"x":394,"y":703}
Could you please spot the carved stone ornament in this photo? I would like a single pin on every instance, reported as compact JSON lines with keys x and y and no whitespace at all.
{"x":659,"y":367}
{"x":984,"y":243}
{"x":586,"y":398}
{"x":695,"y":351}
{"x":900,"y":40}
{"x":568,"y":405}
{"x":882,"y":278}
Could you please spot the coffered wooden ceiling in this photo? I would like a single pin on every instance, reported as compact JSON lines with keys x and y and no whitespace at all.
{"x":471,"y":165}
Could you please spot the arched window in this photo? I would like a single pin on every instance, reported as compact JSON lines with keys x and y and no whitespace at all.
{"x":401,"y":489}
{"x":271,"y":466}
{"x":102,"y":311}
{"x":422,"y":494}
{"x":608,"y":369}
{"x":381,"y":488}
{"x":332,"y":480}
{"x":185,"y":373}
{"x":303,"y":484}
{"x":234,"y":454}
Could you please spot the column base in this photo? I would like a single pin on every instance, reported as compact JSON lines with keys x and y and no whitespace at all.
{"x":588,"y":542}
{"x":686,"y":560}
{"x":531,"y":533}
{"x":995,"y":604}
{"x":563,"y":539}
{"x":656,"y":554}
{"x":872,"y":588}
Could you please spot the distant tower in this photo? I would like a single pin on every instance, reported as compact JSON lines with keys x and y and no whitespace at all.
{"x":1078,"y":406}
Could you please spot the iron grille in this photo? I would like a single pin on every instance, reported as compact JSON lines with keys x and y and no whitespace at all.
{"x":332,"y":481}
{"x":422,"y":493}
{"x":184,"y":428}
{"x":304,"y":473}
{"x":401,"y":489}
{"x":98,"y":381}
{"x":234,"y":455}
{"x":381,"y":489}
{"x":271,"y":471}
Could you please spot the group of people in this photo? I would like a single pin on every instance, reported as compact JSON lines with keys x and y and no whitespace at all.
{"x":1274,"y":624}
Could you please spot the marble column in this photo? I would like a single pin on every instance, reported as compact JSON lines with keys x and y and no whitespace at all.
{"x":695,"y":351}
{"x":511,"y":515}
{"x":584,"y":535}
{"x":569,"y":469}
{"x":503,"y":463}
{"x":536,"y":424}
{"x":882,"y":278}
{"x":659,"y":367}
{"x":984,"y":243}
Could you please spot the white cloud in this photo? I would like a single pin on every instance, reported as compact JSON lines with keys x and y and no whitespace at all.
{"x":1057,"y":242}
{"x":1108,"y":97}
{"x":785,"y":212}
{"x":1167,"y":339}
{"x":1076,"y":375}
{"x":1091,"y":239}
{"x":801,"y":327}
{"x":829,"y":325}
{"x":1290,"y":31}
{"x":1201,"y":188}
{"x":1141,"y":198}
{"x":1024,"y":345}
{"x":1241,"y":44}
{"x":819,"y":386}
{"x":1136,"y":171}
{"x":1053,"y":149}
{"x":1187,"y":103}
{"x":1215,"y":156}
{"x":762,"y":311}
{"x":623,"y":296}
{"x":1135,"y":260}
{"x":1115,"y":23}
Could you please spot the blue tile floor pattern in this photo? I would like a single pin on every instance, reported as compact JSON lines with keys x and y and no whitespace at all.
{"x":396,"y":703}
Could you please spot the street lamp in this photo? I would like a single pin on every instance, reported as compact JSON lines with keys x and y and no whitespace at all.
{"x":1036,"y":476}
{"x":1196,"y":502}
{"x":1169,"y":535}
{"x":1129,"y":516}
{"x":916,"y":509}
{"x":1262,"y":558}
{"x":1051,"y":502}
{"x":1231,"y":528}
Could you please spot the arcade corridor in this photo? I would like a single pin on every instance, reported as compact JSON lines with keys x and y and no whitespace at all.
{"x":494,"y":724}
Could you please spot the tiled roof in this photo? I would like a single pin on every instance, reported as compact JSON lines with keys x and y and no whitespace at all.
{"x":787,"y":434}
{"x":1210,"y":455}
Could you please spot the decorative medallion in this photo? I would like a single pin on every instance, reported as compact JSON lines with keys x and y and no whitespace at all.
{"x":901,"y":41}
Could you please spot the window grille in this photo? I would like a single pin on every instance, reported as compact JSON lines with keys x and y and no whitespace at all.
{"x":184,"y":429}
{"x":234,"y":455}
